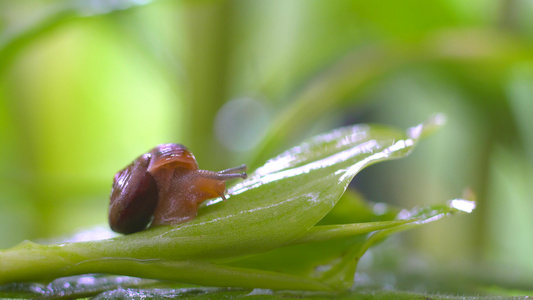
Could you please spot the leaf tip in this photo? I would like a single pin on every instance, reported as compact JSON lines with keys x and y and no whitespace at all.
{"x":462,"y":205}
{"x":433,"y":123}
{"x":467,"y":203}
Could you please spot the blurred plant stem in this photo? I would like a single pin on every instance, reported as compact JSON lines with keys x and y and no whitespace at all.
{"x":351,"y":74}
{"x":326,"y":90}
{"x":208,"y":26}
{"x":509,"y":14}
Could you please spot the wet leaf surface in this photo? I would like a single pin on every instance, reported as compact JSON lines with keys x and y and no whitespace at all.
{"x":287,"y":227}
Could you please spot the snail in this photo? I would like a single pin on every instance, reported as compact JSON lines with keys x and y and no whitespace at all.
{"x":164,"y":187}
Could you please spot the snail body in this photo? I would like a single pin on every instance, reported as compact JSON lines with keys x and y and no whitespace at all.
{"x":164,"y":187}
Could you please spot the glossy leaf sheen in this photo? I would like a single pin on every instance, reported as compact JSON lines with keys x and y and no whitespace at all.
{"x":277,"y":206}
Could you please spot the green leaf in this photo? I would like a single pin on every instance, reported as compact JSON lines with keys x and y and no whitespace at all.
{"x":331,"y":252}
{"x":278,"y":206}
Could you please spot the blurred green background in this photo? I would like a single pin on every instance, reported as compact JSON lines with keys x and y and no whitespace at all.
{"x":87,"y":86}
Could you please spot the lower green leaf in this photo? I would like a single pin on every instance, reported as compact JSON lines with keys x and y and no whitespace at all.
{"x":274,"y":232}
